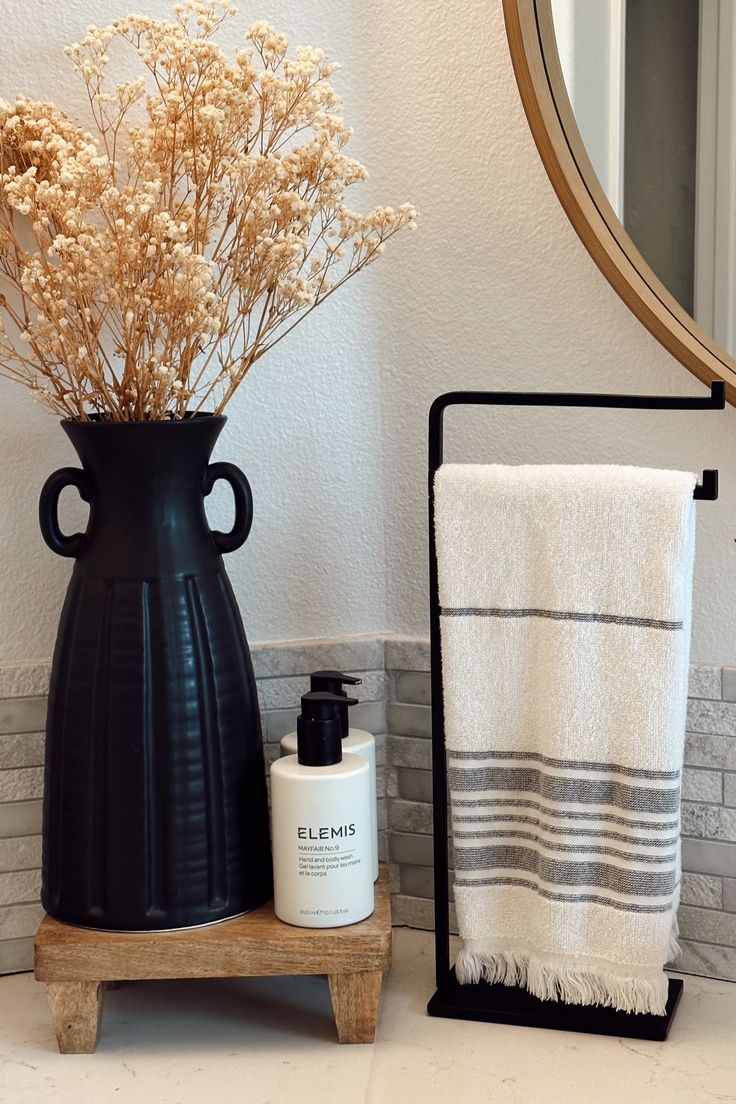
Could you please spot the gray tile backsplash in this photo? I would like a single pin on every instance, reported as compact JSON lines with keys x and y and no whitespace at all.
{"x":706,"y":959}
{"x":711,"y":822}
{"x":410,"y":816}
{"x":17,"y":886}
{"x":20,"y":818}
{"x":19,"y":920}
{"x":301,"y":657}
{"x":702,"y":785}
{"x":22,"y":749}
{"x":710,"y":750}
{"x":407,"y":751}
{"x":708,"y":925}
{"x":728,"y":684}
{"x":20,"y":853}
{"x":22,"y":715}
{"x":23,"y":784}
{"x":412,"y":687}
{"x":395,"y":700}
{"x":729,"y":894}
{"x":408,"y":720}
{"x":709,"y":857}
{"x":702,"y":889}
{"x":708,"y":682}
{"x":715,"y":718}
{"x":729,"y":789}
{"x":414,"y":785}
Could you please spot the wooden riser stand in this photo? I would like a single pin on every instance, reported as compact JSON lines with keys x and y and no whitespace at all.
{"x":76,"y":964}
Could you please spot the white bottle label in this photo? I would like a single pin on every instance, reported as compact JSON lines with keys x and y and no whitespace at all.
{"x":324,"y":850}
{"x":323,"y":870}
{"x":358,"y":742}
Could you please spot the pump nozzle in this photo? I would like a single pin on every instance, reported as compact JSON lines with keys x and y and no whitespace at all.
{"x":319,"y":728}
{"x":324,"y":704}
{"x":332,"y":682}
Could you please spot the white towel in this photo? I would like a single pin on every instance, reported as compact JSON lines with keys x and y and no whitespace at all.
{"x":565,"y":628}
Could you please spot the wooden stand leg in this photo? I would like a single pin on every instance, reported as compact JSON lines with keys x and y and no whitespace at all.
{"x":76,"y":1007}
{"x":355,"y":1000}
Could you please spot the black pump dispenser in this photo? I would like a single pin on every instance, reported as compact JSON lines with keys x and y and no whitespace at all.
{"x":332,"y":682}
{"x":319,"y":728}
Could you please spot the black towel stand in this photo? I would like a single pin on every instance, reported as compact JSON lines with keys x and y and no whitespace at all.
{"x":499,"y":1003}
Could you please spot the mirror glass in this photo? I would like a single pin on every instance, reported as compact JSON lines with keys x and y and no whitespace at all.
{"x":652,"y":84}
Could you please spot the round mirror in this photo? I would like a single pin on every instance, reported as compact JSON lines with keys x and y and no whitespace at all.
{"x":632,"y":105}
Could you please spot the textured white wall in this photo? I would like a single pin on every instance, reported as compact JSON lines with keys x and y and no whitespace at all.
{"x":494,"y":291}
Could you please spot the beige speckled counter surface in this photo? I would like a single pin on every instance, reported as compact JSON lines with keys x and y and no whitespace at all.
{"x":272,"y":1041}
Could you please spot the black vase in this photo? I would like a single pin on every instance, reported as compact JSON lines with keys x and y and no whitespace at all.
{"x":155,"y":806}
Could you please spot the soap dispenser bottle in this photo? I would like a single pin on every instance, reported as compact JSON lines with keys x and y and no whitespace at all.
{"x":321,"y":823}
{"x":355,"y":740}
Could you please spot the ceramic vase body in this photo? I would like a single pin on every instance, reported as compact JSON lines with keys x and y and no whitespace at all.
{"x":155,"y":803}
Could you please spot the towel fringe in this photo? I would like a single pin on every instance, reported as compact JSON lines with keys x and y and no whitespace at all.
{"x":570,"y":983}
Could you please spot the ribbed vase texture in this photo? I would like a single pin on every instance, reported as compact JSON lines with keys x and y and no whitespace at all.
{"x":155,"y":806}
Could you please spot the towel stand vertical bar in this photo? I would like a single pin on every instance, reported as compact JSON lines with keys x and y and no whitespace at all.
{"x":498,"y":1003}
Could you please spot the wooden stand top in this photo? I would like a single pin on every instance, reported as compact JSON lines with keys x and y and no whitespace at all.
{"x":256,"y":944}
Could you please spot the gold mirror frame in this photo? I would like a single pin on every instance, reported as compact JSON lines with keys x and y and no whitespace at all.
{"x":533,"y":46}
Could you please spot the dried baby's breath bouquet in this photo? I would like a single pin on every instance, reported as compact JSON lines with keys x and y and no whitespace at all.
{"x":146,"y":267}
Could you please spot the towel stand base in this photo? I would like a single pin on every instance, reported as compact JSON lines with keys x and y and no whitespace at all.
{"x":512,"y":1005}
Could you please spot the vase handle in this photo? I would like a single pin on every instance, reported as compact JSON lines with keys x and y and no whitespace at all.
{"x":48,"y":510}
{"x":238,"y":535}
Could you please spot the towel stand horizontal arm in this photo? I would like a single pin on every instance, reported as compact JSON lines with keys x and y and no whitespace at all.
{"x":707,"y":489}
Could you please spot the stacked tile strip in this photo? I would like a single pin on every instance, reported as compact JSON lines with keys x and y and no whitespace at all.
{"x":395,"y":699}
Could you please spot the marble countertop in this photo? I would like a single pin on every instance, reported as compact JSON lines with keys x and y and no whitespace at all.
{"x":263,"y":1041}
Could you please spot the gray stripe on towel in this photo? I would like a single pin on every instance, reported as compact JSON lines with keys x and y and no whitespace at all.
{"x":563,"y":814}
{"x":583,"y":898}
{"x":568,"y":764}
{"x":560,"y":615}
{"x":639,"y":841}
{"x":582,"y":791}
{"x":589,"y":875}
{"x":569,"y":848}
